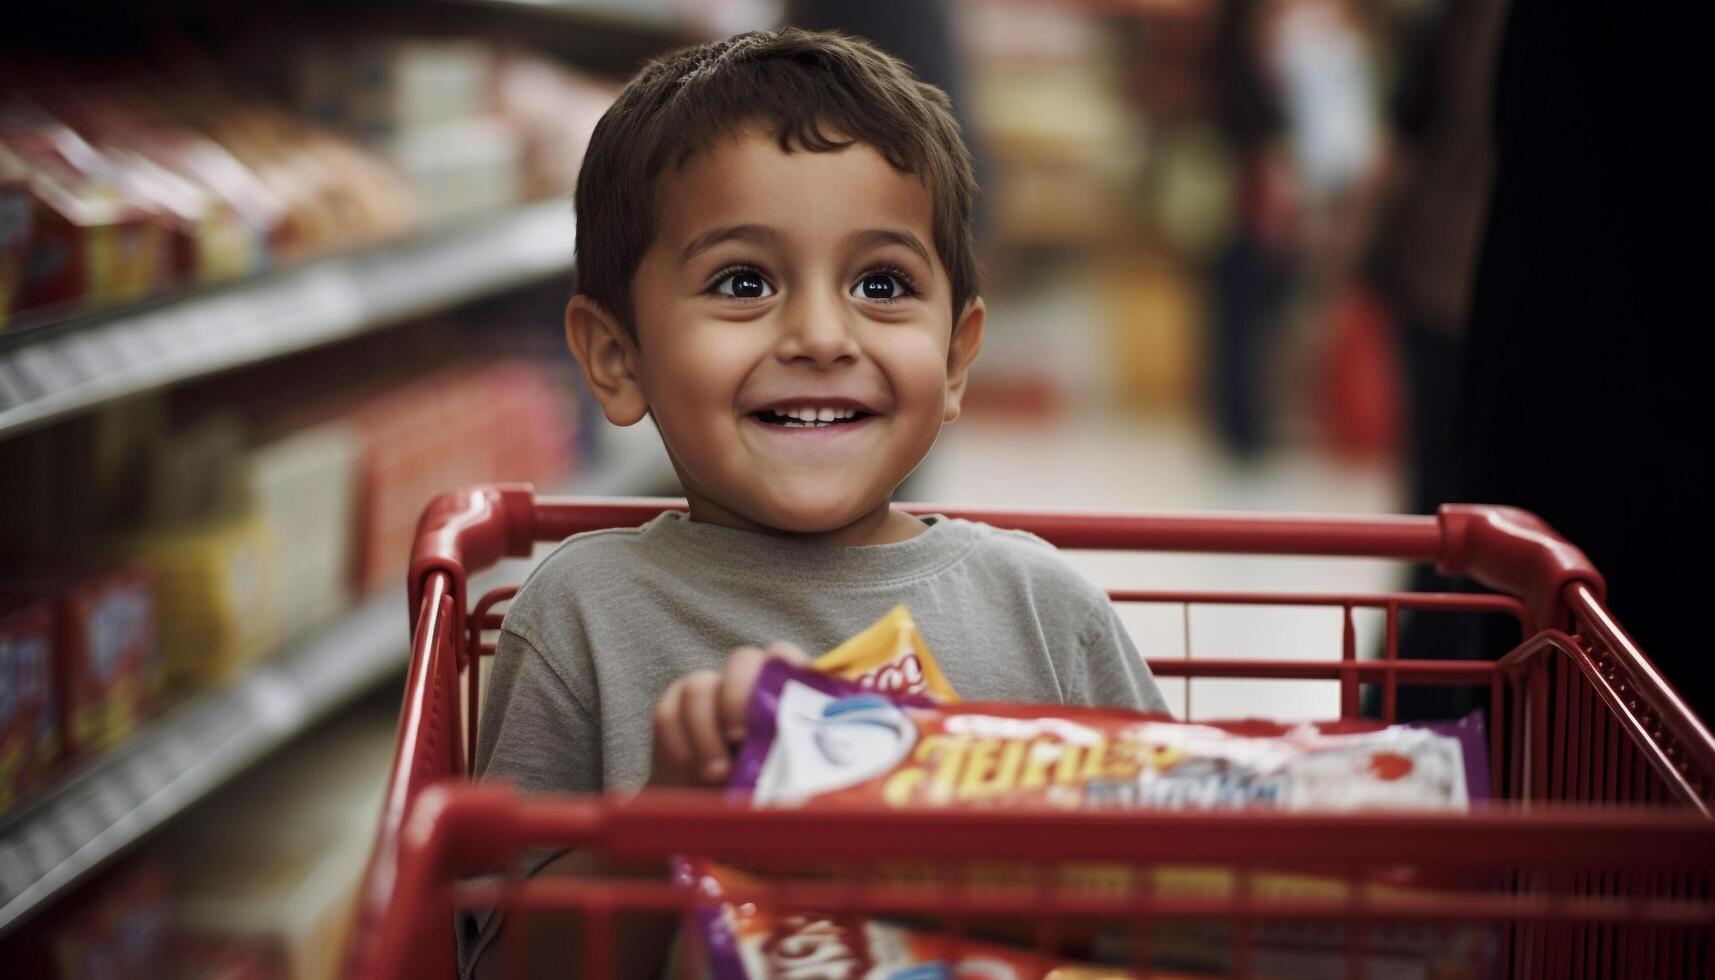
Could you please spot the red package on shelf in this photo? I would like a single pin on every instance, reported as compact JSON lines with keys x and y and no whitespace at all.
{"x":29,"y":716}
{"x":91,"y":242}
{"x":114,"y":928}
{"x":17,"y":218}
{"x":503,"y":420}
{"x":109,"y":663}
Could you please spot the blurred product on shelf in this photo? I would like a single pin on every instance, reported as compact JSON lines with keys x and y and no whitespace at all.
{"x":117,"y":184}
{"x":191,"y":472}
{"x":92,"y":240}
{"x":425,"y":105}
{"x":508,"y":420}
{"x":267,"y":876}
{"x":1067,"y":147}
{"x":106,"y":667}
{"x":16,"y":221}
{"x":243,"y":511}
{"x":303,"y":484}
{"x":461,"y":168}
{"x":115,"y":928}
{"x":554,"y":110}
{"x":472,"y":127}
{"x":213,"y":559}
{"x":136,"y":191}
{"x":1153,"y":310}
{"x":337,"y":196}
{"x":214,"y":581}
{"x":109,"y":661}
{"x":379,"y":88}
{"x":29,"y":717}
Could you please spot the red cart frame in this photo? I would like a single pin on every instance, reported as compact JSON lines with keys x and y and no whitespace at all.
{"x":1605,"y":852}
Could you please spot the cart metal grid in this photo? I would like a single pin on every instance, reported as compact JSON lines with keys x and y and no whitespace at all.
{"x":1597,"y":860}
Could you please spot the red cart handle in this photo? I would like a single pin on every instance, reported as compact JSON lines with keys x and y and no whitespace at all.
{"x":1504,"y":548}
{"x":1516,"y":552}
{"x":467,"y":530}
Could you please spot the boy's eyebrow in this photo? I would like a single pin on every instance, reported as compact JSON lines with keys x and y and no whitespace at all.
{"x":760,"y":234}
{"x":889,"y":236}
{"x":768,"y":235}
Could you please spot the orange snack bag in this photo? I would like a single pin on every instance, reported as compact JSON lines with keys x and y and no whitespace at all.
{"x":889,"y":658}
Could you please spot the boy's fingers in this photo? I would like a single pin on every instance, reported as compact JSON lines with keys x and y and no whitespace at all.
{"x":789,"y":652}
{"x":701,"y":711}
{"x":670,"y":741}
{"x":742,"y":666}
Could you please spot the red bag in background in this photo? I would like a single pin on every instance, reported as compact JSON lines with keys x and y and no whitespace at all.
{"x":1359,"y":398}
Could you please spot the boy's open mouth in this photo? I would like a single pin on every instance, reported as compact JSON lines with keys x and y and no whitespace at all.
{"x":810,"y":418}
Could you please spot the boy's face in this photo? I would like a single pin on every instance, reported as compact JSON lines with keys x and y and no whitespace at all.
{"x":794,"y":343}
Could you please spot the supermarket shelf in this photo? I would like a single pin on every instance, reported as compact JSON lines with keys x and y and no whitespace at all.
{"x":52,"y":843}
{"x":127,"y":353}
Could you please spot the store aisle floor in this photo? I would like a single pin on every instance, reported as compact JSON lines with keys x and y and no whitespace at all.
{"x":1164,"y":465}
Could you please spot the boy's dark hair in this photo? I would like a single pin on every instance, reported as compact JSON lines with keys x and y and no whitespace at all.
{"x":818,"y":91}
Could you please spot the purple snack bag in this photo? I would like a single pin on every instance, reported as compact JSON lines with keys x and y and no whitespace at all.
{"x":706,"y":918}
{"x":1472,"y":735}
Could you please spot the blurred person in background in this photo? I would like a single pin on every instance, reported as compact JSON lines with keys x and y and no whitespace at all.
{"x":1579,"y":378}
{"x":1253,"y":271}
{"x":1423,"y":262}
{"x":1297,"y":100}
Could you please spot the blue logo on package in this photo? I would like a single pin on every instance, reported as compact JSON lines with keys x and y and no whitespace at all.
{"x":824,"y":743}
{"x":859,"y":729}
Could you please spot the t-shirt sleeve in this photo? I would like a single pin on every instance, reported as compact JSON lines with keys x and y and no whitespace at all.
{"x":535,"y":733}
{"x":1114,"y":674}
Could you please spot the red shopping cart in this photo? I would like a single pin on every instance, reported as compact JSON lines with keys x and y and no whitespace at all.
{"x":1599,"y":862}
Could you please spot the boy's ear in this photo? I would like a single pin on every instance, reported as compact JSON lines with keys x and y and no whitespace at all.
{"x":961,"y":351}
{"x":608,"y":355}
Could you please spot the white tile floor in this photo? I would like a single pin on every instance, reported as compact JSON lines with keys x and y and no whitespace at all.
{"x":1115,"y":464}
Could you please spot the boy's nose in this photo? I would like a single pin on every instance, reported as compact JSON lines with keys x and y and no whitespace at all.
{"x":816,"y":327}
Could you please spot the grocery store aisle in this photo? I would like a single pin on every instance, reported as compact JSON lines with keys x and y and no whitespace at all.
{"x":1128,"y":464}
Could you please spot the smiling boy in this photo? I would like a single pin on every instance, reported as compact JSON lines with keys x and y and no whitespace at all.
{"x":774,"y":263}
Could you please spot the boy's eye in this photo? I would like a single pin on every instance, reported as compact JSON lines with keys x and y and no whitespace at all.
{"x":881,"y":286}
{"x":744,"y":284}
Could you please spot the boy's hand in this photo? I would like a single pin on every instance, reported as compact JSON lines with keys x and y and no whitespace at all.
{"x":700,"y":717}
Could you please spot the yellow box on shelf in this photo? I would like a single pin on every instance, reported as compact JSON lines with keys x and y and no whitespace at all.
{"x":216,"y":596}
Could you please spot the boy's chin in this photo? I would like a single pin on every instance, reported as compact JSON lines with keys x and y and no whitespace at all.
{"x":802,"y":517}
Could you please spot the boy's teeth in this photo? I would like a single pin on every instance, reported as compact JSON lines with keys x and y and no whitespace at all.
{"x":815,"y":415}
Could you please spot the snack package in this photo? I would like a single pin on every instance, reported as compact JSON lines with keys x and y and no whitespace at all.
{"x":747,"y":939}
{"x":889,"y":657}
{"x":814,"y":738}
{"x":17,"y":207}
{"x":109,"y":668}
{"x":29,"y":717}
{"x":214,"y":586}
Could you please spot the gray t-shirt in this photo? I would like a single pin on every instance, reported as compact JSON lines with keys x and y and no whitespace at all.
{"x":613,"y":617}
